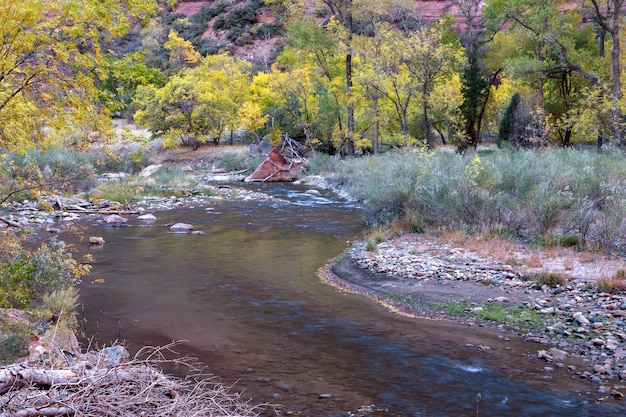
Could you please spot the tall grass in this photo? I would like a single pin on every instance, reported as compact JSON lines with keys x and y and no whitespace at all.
{"x":530,"y":193}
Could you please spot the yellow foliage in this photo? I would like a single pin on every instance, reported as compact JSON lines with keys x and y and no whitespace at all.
{"x":51,"y":51}
{"x":251,"y":117}
{"x":181,"y":50}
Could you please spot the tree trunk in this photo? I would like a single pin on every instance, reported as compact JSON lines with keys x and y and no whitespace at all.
{"x":617,"y":83}
{"x":350,"y":105}
{"x":427,"y":138}
{"x":376,"y":124}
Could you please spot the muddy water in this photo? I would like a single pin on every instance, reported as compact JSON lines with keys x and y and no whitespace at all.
{"x":246,"y":300}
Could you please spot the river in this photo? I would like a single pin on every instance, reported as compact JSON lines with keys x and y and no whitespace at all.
{"x":244,"y":298}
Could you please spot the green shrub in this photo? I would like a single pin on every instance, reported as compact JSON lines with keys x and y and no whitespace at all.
{"x":14,"y":340}
{"x":233,"y":161}
{"x":550,"y":279}
{"x":56,"y":168}
{"x":61,"y":305}
{"x":559,"y":241}
{"x":26,"y":276}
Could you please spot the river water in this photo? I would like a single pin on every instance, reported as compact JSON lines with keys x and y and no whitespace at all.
{"x":245,"y":299}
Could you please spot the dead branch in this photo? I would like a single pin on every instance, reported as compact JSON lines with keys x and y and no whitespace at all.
{"x":92,"y":387}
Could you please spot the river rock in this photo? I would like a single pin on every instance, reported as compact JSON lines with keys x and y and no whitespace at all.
{"x":582,"y":320}
{"x":558,"y":354}
{"x":96,"y":240}
{"x":115,"y":355}
{"x":147,"y":217}
{"x":149,"y":170}
{"x":181,"y":227}
{"x":115,"y":219}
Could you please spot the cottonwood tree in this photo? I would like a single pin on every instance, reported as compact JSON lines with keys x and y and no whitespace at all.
{"x":197,"y":104}
{"x":430,"y":57}
{"x":556,"y":31}
{"x":50,"y":54}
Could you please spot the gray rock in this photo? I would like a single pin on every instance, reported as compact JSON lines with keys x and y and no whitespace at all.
{"x":115,"y":355}
{"x":181,"y":227}
{"x":147,"y":217}
{"x":115,"y":219}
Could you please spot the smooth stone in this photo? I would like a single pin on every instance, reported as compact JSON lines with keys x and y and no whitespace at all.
{"x":115,"y":219}
{"x":181,"y":226}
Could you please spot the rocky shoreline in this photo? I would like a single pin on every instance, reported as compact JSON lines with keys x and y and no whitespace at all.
{"x":575,"y":323}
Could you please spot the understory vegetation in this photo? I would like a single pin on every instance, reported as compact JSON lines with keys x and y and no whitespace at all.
{"x":550,"y":197}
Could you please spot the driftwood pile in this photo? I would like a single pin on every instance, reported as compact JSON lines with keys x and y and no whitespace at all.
{"x":95,"y":385}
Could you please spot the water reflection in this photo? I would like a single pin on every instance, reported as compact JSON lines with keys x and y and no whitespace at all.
{"x":246,"y":299}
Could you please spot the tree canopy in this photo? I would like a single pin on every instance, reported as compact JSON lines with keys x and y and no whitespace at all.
{"x":51,"y":54}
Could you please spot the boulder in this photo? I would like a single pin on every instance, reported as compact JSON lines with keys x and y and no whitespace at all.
{"x":275,"y":168}
{"x":96,"y":240}
{"x":115,"y":219}
{"x":149,"y":170}
{"x":149,"y":217}
{"x":181,"y":227}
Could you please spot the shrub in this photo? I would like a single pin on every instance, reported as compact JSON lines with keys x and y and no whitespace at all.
{"x":550,"y":279}
{"x":615,"y":285}
{"x":370,"y":246}
{"x":575,"y":197}
{"x":56,"y":168}
{"x":269,"y":30}
{"x":14,"y":340}
{"x":26,"y":276}
{"x":233,"y":162}
{"x":559,"y":241}
{"x":61,"y":305}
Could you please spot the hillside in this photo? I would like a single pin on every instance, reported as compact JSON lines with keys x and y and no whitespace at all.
{"x":259,"y":38}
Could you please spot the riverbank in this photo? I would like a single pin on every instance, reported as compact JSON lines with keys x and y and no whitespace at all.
{"x":570,"y":322}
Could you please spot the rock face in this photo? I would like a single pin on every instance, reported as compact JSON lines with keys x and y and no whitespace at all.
{"x":274,"y":168}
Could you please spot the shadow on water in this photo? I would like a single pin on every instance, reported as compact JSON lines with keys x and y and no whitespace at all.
{"x":246,"y":299}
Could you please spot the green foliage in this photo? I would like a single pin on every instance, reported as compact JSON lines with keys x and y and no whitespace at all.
{"x":233,"y":161}
{"x":125,"y":74}
{"x":196,"y":105}
{"x":26,"y":276}
{"x":551,"y":240}
{"x":53,"y":169}
{"x":475,"y":88}
{"x":550,"y":279}
{"x":507,"y":123}
{"x":523,"y":317}
{"x":14,"y":340}
{"x":61,"y":305}
{"x":238,"y":21}
{"x":370,"y":246}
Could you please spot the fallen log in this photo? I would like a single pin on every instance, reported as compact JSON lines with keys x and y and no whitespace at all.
{"x":17,"y":377}
{"x":40,"y":412}
{"x":87,"y":211}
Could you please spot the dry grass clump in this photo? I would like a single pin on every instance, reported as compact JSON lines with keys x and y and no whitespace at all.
{"x":569,"y":263}
{"x":614,"y":285}
{"x":91,"y":386}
